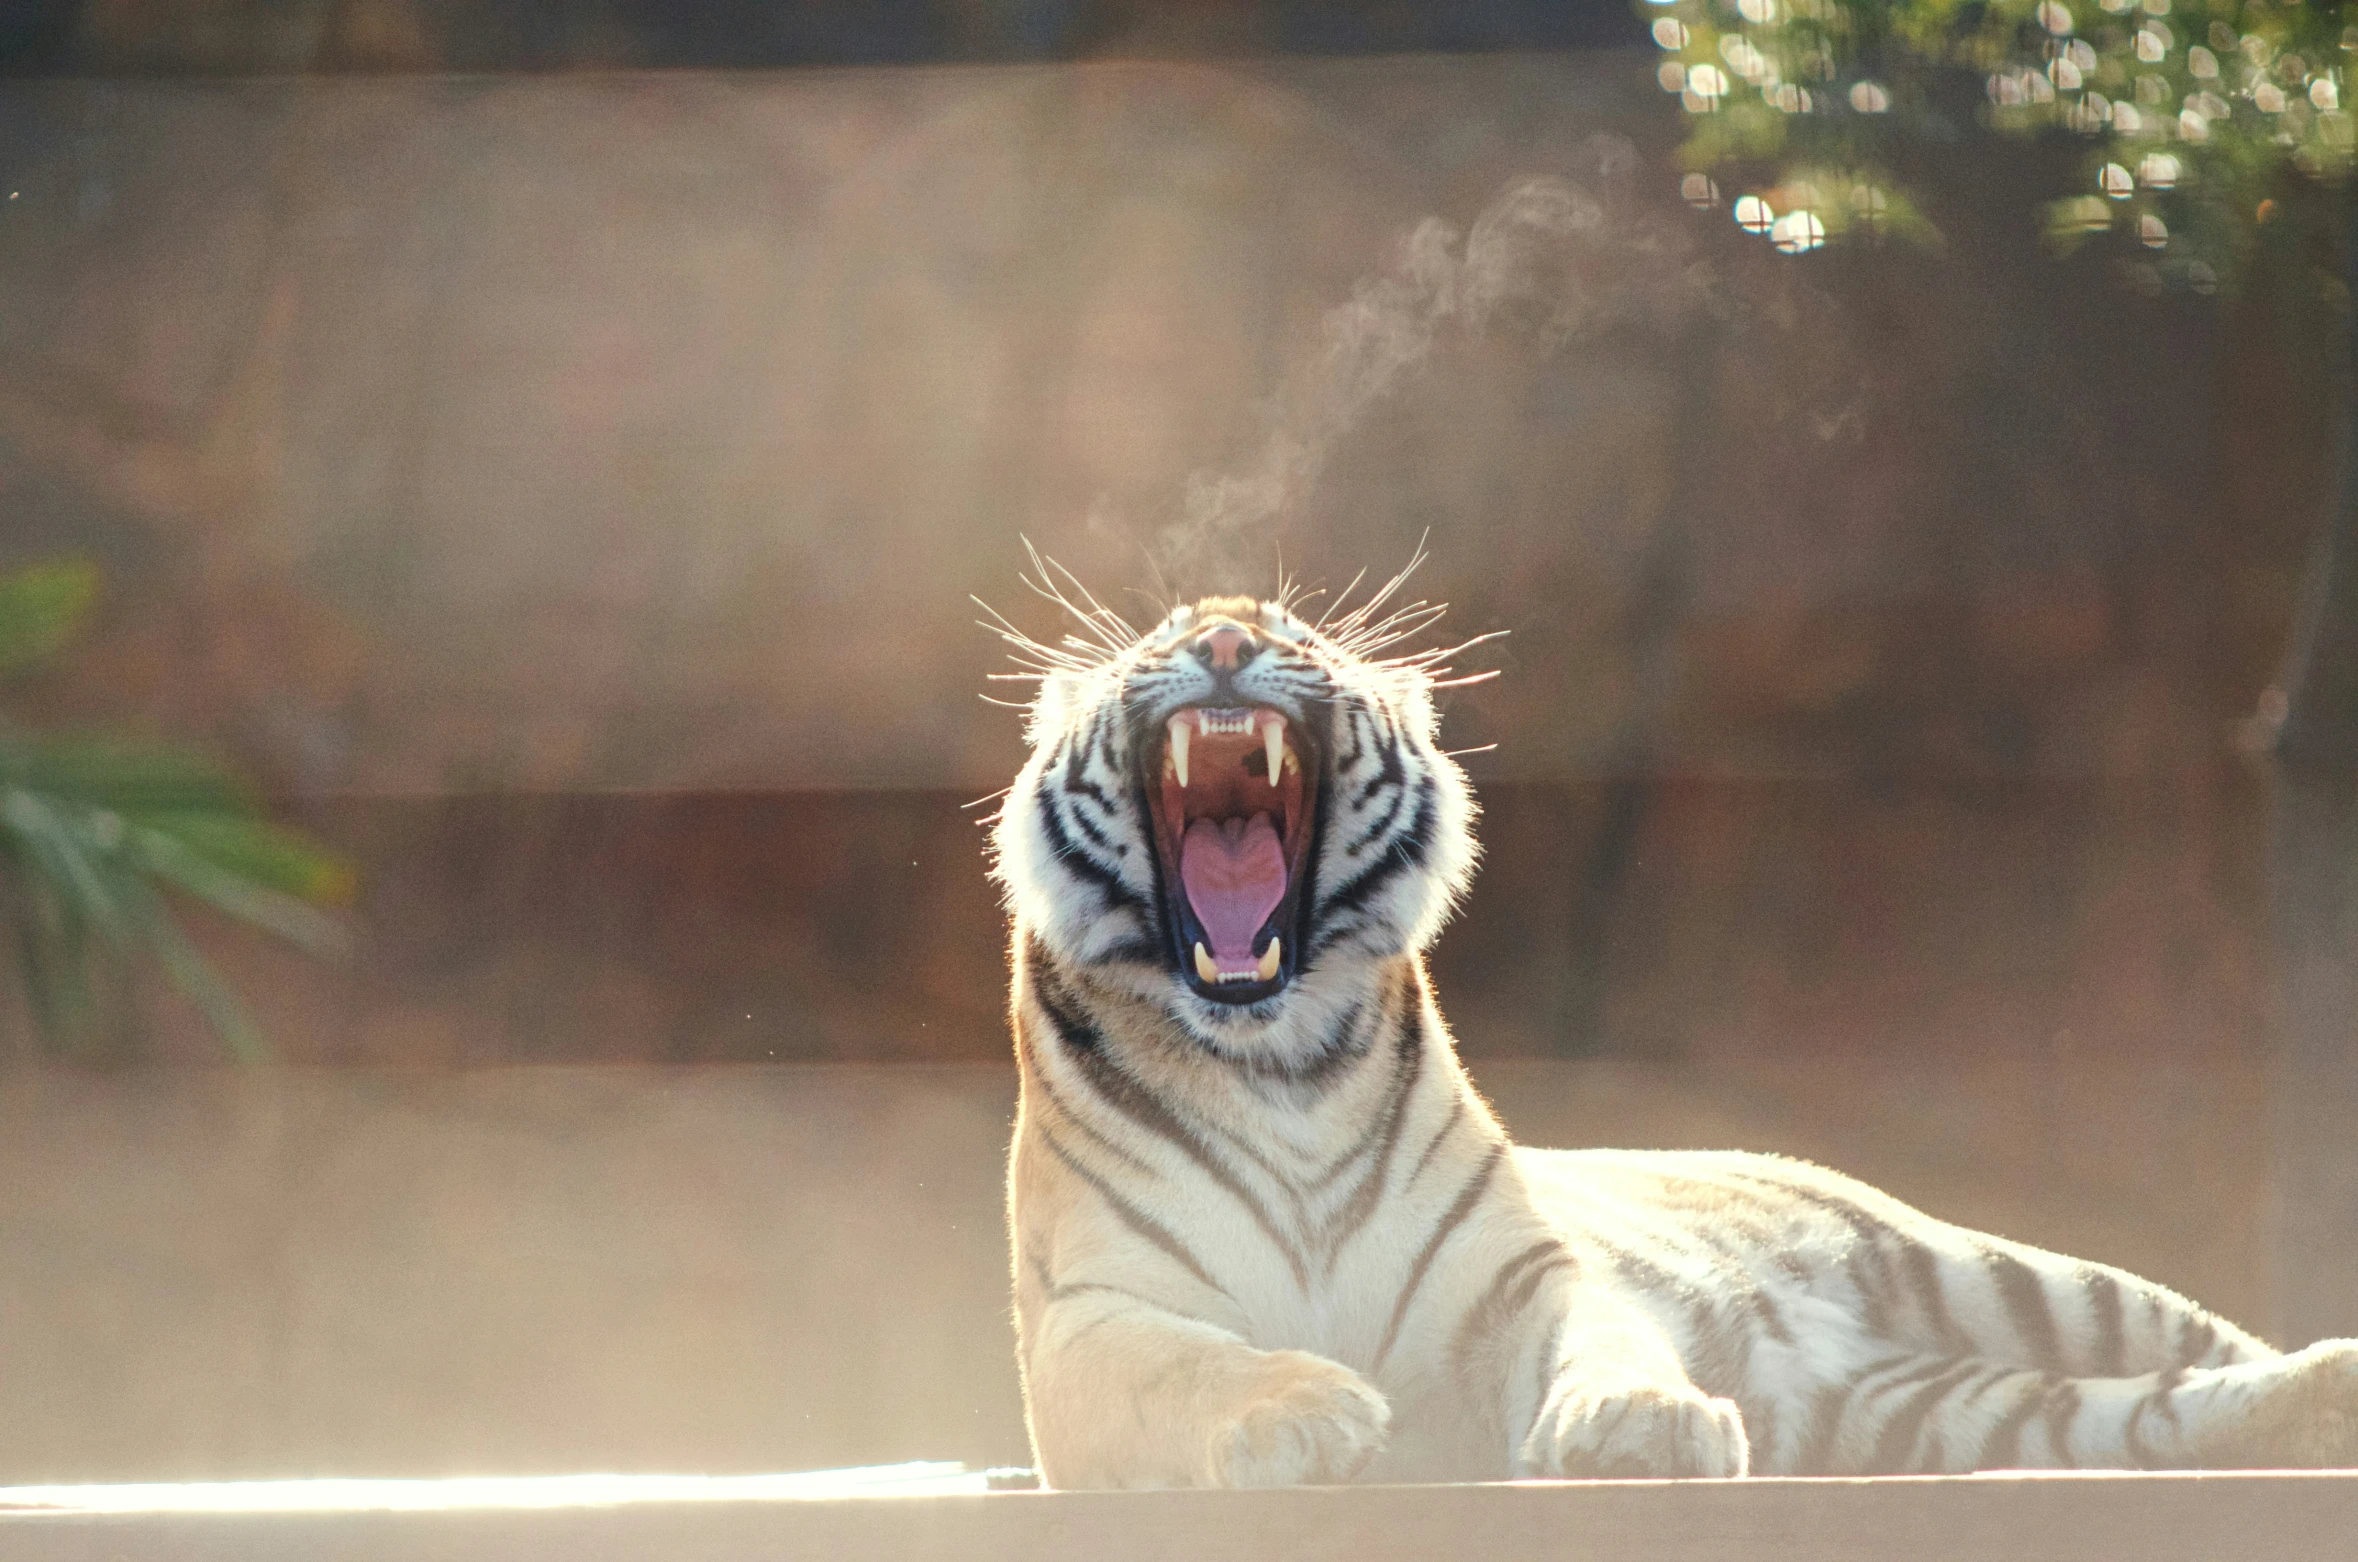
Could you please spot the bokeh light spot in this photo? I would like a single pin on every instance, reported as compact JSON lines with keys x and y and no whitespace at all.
{"x":1797,"y":232}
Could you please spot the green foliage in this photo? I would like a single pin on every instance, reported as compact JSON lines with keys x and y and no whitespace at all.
{"x":2193,"y":115}
{"x":96,"y":832}
{"x":41,"y":608}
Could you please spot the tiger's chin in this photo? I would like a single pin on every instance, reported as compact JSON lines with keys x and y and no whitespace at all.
{"x":1232,"y":793}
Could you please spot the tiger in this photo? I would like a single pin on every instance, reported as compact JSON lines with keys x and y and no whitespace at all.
{"x":1265,"y":1231}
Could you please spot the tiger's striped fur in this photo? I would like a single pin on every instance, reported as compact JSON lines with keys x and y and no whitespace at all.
{"x":1284,"y":1240}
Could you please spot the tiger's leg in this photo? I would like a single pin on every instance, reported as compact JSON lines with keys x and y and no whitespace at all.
{"x":1939,"y":1414}
{"x":1608,"y":1395}
{"x":1121,"y":1392}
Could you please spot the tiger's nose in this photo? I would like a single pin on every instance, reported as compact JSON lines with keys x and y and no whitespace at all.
{"x":1226,"y":648}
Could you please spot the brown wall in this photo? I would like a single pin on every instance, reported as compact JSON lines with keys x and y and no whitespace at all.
{"x":565,"y":493}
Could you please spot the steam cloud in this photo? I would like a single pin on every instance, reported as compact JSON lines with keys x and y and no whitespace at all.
{"x":1545,"y":257}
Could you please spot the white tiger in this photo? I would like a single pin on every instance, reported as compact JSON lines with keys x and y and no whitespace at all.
{"x":1265,"y":1231}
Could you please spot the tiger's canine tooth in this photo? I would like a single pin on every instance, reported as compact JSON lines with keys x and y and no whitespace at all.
{"x":1203,"y":963}
{"x":1268,"y":970}
{"x":1273,"y":744}
{"x":1180,"y":733}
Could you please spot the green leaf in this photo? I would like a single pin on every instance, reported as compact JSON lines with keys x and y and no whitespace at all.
{"x":56,"y":948}
{"x":82,"y":868}
{"x":190,"y":973}
{"x":247,"y":895}
{"x":257,"y":852}
{"x":62,"y":855}
{"x":125,"y":777}
{"x":42,"y":606}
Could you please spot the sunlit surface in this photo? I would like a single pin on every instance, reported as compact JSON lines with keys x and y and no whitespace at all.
{"x":917,"y":1479}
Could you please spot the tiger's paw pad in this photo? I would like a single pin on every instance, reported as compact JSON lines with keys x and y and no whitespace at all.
{"x":1588,"y":1432}
{"x":1310,"y":1422}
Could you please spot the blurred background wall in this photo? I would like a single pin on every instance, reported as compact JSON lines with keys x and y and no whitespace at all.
{"x":564,"y":491}
{"x":566,"y":494}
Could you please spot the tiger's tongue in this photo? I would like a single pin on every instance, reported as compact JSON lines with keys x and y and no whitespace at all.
{"x":1234,"y":871}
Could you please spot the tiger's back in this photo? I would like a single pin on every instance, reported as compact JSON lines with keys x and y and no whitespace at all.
{"x":1265,"y":1230}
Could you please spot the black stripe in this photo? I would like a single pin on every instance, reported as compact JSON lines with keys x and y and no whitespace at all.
{"x":1407,"y":851}
{"x":1378,"y":1122}
{"x":1544,"y":1371}
{"x":1097,"y":837}
{"x":1076,"y":781}
{"x":2063,"y":1403}
{"x":1936,"y":1453}
{"x":1148,"y":1111}
{"x":1388,"y":769}
{"x":1868,"y":1263}
{"x":1345,"y":1044}
{"x":1644,"y":1273}
{"x":1391,"y":816}
{"x":2104,"y":1305}
{"x":2166,"y":1384}
{"x":1498,"y":1306}
{"x":1355,"y":1211}
{"x":1815,"y":1447}
{"x":1138,"y":950}
{"x":1355,"y":718}
{"x":1137,"y":1219}
{"x":1771,"y":1317}
{"x":1874,"y":1309}
{"x":2001,"y":1446}
{"x":1457,"y":1109}
{"x":1925,"y":1279}
{"x":2197,"y":1338}
{"x":1075,"y":1031}
{"x":1719,"y":1351}
{"x":1903,"y":1371}
{"x":1097,"y":1141}
{"x":2157,"y":1402}
{"x":1898,"y":1438}
{"x":1467,"y":1198}
{"x":1118,"y":896}
{"x":2033,"y":1315}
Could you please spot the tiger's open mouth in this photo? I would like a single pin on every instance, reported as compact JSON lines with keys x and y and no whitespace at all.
{"x":1232,"y":790}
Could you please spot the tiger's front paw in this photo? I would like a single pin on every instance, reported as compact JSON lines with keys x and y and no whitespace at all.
{"x":1304,"y":1421}
{"x":1646,"y":1430}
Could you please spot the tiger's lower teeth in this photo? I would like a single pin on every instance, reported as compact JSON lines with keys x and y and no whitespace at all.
{"x":1264,"y":969}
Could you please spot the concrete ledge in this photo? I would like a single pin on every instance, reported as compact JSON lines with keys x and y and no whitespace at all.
{"x":2007,"y":1518}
